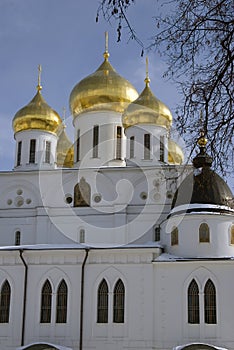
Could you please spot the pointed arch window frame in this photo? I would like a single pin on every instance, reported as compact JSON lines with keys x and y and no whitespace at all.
{"x":193,"y":303}
{"x":5,"y":301}
{"x":62,"y":302}
{"x":46,"y":302}
{"x":210,"y":309}
{"x":119,"y":302}
{"x":103,"y":302}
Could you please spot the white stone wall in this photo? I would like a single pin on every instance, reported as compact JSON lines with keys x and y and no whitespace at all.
{"x":155,"y":299}
{"x":188,"y":228}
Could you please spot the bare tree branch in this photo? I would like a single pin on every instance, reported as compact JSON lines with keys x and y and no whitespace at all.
{"x":197,"y":41}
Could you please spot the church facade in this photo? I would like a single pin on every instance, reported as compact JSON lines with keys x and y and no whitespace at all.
{"x":111,"y":242}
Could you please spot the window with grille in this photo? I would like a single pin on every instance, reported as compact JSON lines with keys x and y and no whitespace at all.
{"x":193,"y":303}
{"x":118,"y":302}
{"x":232,"y":234}
{"x":95,"y":141}
{"x":204,"y":233}
{"x":17,"y":237}
{"x":5,"y":302}
{"x":19,"y":152}
{"x":102,"y":302}
{"x":61,"y":304}
{"x":78,"y":146}
{"x":210,"y":302}
{"x":46,"y":302}
{"x":47,"y":152}
{"x":161,"y":155}
{"x":174,"y":236}
{"x":132,"y":144}
{"x":32,"y":151}
{"x":147,"y":146}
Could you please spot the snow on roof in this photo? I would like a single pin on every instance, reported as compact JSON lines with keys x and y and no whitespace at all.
{"x":44,"y":247}
{"x":53,"y":346}
{"x":169,"y":257}
{"x":82,"y":246}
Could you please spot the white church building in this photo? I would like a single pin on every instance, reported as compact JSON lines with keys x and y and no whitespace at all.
{"x":110,"y":242}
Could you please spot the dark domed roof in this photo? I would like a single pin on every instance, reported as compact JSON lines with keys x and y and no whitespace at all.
{"x":203,"y":189}
{"x":203,"y":186}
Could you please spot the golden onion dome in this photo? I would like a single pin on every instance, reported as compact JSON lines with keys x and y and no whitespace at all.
{"x":105,"y":89}
{"x":175,"y":153}
{"x":37,"y":114}
{"x":65,"y":149}
{"x":147,"y":109}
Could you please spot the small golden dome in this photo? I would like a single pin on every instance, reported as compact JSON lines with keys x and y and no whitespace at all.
{"x":147,"y":109}
{"x":65,"y":149}
{"x":105,"y":89}
{"x":37,"y":115}
{"x":175,"y":153}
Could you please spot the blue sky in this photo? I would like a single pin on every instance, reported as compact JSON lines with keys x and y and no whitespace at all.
{"x":63,"y":36}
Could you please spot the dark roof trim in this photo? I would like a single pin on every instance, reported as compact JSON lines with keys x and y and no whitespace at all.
{"x":201,"y":210}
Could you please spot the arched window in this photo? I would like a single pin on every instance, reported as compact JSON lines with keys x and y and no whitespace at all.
{"x":210,"y":302}
{"x":19,"y":152}
{"x":162,"y":149}
{"x":102,"y":302}
{"x":82,"y":192}
{"x":32,"y":151}
{"x":5,"y":302}
{"x":157,"y":233}
{"x":232,"y":234}
{"x":174,"y":236}
{"x":47,"y":152}
{"x":119,"y":142}
{"x":82,"y":235}
{"x":193,"y":303}
{"x":118,"y":305}
{"x":95,"y":141}
{"x":132,"y":144}
{"x":17,"y":237}
{"x":46,"y":298}
{"x":147,"y":146}
{"x":61,"y":305}
{"x":78,"y":146}
{"x":204,"y":233}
